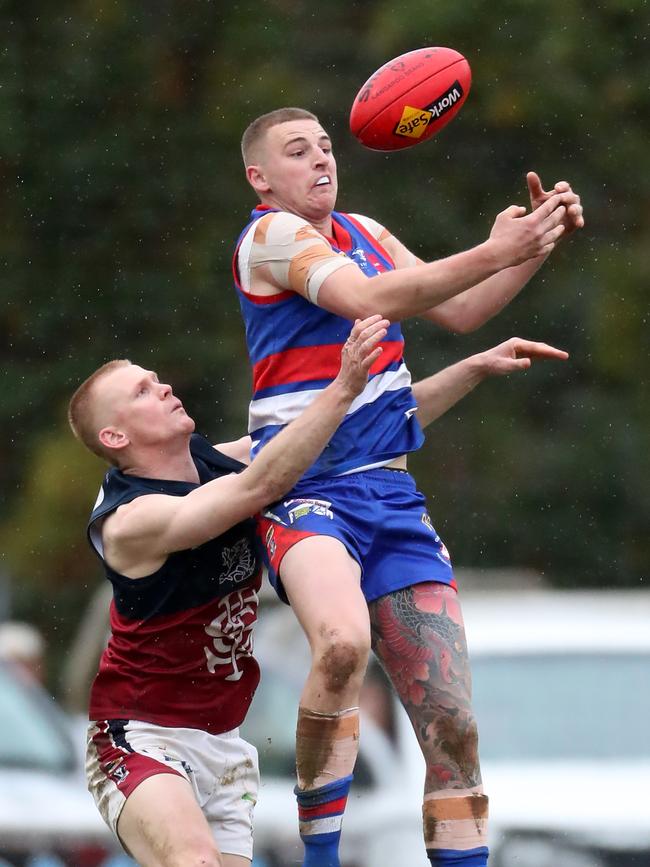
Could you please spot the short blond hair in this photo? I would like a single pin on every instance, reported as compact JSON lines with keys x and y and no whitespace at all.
{"x":81,"y":410}
{"x":255,"y":131}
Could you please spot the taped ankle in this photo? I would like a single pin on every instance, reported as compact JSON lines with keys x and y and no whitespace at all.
{"x":455,"y":824}
{"x":326,"y":746}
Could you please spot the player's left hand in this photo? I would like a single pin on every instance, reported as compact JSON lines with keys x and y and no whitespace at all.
{"x":517,"y":354}
{"x":360,"y":351}
{"x":573,"y":218}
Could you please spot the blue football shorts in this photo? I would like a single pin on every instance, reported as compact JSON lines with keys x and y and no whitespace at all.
{"x":380,"y":517}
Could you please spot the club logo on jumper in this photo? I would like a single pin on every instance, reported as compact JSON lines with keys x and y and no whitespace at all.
{"x":238,"y":563}
{"x":231,"y":632}
{"x":307,"y":507}
{"x":366,"y":260}
{"x":426,"y":520}
{"x":118,"y":772}
{"x":414,"y":121}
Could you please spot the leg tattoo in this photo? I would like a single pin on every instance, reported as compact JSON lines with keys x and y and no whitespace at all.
{"x":419,"y":638}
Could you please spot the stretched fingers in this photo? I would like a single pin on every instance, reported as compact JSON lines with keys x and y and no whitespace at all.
{"x":575,"y":214}
{"x":555,"y":217}
{"x":571,"y":200}
{"x":513,"y":211}
{"x":547,"y":209}
{"x":553,"y":235}
{"x":534,"y":349}
{"x":362,"y":344}
{"x":360,"y":325}
{"x":518,"y":354}
{"x":535,"y":187}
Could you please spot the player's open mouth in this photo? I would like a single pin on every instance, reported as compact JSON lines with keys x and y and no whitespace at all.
{"x":322,"y":181}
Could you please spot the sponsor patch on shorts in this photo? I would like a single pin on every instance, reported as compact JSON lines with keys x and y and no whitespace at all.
{"x":299,"y":508}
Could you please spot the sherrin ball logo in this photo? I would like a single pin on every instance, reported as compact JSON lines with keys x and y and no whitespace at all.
{"x":410,"y":98}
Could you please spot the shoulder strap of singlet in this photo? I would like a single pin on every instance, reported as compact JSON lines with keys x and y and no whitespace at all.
{"x":346,"y":221}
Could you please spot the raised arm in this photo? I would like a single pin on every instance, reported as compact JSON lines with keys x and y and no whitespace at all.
{"x":516,"y":237}
{"x":140,"y":535}
{"x":470,"y":309}
{"x":438,"y":393}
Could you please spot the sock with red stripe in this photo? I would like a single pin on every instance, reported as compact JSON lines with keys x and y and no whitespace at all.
{"x":320,"y":812}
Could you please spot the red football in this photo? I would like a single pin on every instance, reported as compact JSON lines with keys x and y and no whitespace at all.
{"x":410,"y":98}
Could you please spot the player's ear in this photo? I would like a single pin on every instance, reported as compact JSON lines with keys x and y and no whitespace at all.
{"x":113,"y":439}
{"x":257,"y":179}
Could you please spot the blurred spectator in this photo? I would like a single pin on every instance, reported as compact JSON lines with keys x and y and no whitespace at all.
{"x":23,"y":646}
{"x":377,"y":700}
{"x":82,"y":658}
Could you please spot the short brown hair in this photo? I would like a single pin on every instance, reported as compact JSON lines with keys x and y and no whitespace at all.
{"x":256,"y":130}
{"x":81,"y":415}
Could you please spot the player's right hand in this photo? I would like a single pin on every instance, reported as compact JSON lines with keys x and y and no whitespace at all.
{"x":573,"y":218}
{"x":360,"y":351}
{"x":517,"y":354}
{"x":517,"y":236}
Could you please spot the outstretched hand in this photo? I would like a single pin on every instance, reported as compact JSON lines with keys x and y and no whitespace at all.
{"x":520,"y":236}
{"x":517,"y":354}
{"x":360,"y":351}
{"x":573,"y":217}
